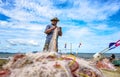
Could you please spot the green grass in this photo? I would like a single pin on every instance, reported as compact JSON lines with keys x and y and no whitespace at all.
{"x":2,"y":62}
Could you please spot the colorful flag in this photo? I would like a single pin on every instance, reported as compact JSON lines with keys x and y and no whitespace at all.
{"x":111,"y":44}
{"x":65,"y":45}
{"x":117,"y":43}
{"x":114,"y":45}
{"x":79,"y":45}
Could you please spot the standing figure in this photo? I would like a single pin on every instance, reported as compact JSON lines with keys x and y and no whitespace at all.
{"x":50,"y":30}
{"x":112,"y":57}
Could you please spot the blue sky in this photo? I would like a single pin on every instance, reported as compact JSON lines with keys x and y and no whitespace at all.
{"x":93,"y":23}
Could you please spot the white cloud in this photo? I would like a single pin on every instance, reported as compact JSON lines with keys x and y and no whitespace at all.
{"x":3,"y":23}
{"x":23,"y":42}
{"x":104,"y":27}
{"x":90,"y":12}
{"x":23,"y":30}
{"x":30,"y":10}
{"x":78,"y":32}
{"x":28,"y":26}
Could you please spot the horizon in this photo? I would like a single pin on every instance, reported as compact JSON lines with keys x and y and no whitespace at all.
{"x":93,"y":23}
{"x":58,"y":52}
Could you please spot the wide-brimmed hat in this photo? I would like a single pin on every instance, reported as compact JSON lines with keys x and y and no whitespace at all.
{"x":55,"y":19}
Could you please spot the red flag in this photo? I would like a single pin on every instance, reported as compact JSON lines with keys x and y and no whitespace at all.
{"x":117,"y":43}
{"x":79,"y":45}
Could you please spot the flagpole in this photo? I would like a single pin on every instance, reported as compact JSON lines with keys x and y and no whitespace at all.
{"x":78,"y":48}
{"x":106,"y":49}
{"x":77,"y":52}
{"x":65,"y":46}
{"x":71,"y":48}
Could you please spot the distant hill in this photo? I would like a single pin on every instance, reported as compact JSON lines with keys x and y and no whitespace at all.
{"x":6,"y":53}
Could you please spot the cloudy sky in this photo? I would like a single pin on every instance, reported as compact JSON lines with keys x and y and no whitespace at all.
{"x":93,"y":23}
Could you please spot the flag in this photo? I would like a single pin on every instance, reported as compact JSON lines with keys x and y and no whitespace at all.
{"x":117,"y":43}
{"x":111,"y":44}
{"x":114,"y":45}
{"x":65,"y":45}
{"x":79,"y":45}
